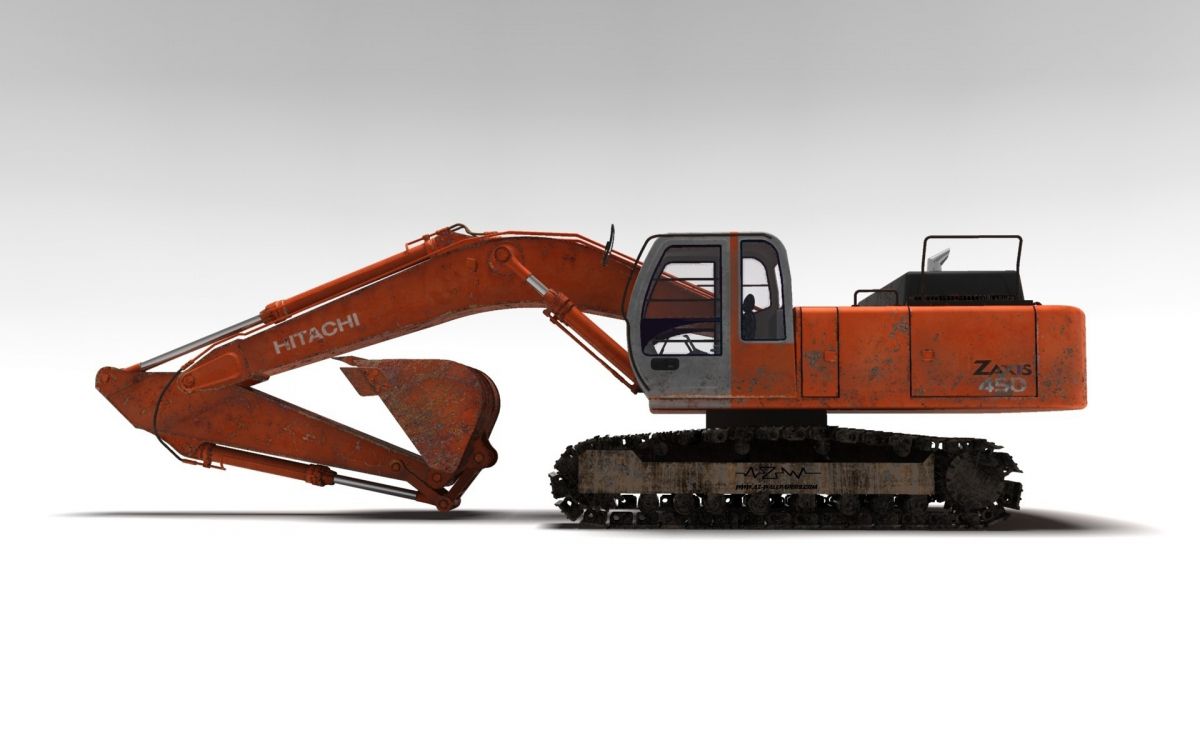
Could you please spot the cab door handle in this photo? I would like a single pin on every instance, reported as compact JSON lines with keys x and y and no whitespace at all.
{"x":664,"y":363}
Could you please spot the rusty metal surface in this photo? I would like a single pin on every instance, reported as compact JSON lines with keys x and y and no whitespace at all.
{"x":817,"y":350}
{"x":461,"y":278}
{"x":607,"y":471}
{"x":248,"y":419}
{"x":968,"y":359}
{"x":446,"y":409}
{"x":978,"y":358}
{"x":981,"y":352}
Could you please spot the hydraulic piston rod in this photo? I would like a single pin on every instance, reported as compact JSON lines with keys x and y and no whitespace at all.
{"x":199,"y":343}
{"x":564,"y":314}
{"x":366,"y":484}
{"x":219,"y":456}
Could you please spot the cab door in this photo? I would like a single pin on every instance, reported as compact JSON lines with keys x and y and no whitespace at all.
{"x":679,"y":331}
{"x":763,"y":342}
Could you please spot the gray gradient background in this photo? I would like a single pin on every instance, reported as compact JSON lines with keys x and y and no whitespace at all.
{"x":168,"y":168}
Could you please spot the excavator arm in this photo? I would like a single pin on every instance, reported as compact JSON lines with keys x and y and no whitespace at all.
{"x":208,"y":412}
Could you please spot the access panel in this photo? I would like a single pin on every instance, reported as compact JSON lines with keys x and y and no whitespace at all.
{"x":974,"y":351}
{"x":818,"y":351}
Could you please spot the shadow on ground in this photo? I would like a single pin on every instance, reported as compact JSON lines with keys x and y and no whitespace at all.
{"x":1021,"y":522}
{"x":374,"y":516}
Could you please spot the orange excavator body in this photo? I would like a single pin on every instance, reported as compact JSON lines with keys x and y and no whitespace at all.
{"x":696,"y":344}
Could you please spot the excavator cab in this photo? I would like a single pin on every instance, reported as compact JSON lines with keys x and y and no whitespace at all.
{"x":703,"y":303}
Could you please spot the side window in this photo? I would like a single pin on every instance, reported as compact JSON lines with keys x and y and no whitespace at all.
{"x":762,"y":314}
{"x":682,"y":316}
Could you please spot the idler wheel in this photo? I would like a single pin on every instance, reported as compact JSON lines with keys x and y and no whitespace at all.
{"x":974,"y":481}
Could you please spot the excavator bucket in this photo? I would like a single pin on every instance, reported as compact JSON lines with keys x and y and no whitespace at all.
{"x":444,"y":407}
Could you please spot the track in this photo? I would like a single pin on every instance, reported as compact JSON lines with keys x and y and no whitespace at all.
{"x":969,"y":485}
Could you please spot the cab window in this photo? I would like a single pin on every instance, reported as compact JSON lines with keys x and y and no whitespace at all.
{"x":762,"y":311}
{"x":682,"y":316}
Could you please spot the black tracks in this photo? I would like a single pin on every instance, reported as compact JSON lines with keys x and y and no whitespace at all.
{"x":970,"y":486}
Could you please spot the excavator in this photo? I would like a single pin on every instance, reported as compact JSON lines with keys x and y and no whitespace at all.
{"x":711,"y":329}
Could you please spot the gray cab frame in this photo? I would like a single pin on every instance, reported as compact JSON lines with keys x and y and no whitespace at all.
{"x":705,"y":375}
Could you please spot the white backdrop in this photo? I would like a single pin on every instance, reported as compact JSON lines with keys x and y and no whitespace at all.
{"x":169,"y":168}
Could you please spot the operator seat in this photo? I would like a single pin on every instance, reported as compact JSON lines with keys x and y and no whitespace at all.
{"x":749,"y":319}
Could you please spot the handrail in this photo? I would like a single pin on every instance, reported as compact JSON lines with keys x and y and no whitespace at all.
{"x":925,"y":245}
